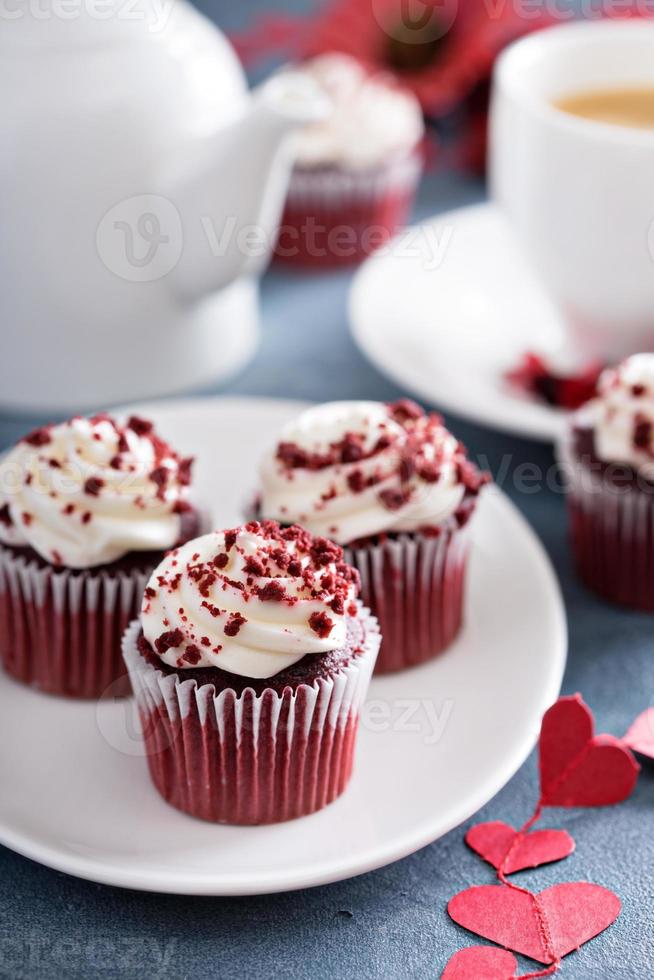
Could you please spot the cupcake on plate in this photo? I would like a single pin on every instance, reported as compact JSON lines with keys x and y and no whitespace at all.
{"x":250,"y":663}
{"x":87,"y":509}
{"x":356,"y":172}
{"x":607,"y":456}
{"x":392,"y":486}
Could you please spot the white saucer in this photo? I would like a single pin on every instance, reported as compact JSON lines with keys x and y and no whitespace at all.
{"x":76,"y":793}
{"x":449,"y":333}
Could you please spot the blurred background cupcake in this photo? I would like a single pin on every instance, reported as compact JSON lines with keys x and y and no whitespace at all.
{"x":395,"y":488}
{"x":608,"y":460}
{"x":356,"y":173}
{"x":87,"y":509}
{"x":250,"y":663}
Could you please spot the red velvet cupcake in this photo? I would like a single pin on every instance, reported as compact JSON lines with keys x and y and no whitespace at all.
{"x":356,"y":173}
{"x":608,"y":460}
{"x":87,"y":509}
{"x":395,"y":489}
{"x":250,"y":664}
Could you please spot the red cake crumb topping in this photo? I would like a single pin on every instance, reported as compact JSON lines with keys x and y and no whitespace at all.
{"x":394,"y":499}
{"x":93,"y":486}
{"x":272,"y":592}
{"x":643,"y":431}
{"x":192,"y":654}
{"x":405,"y":409}
{"x":234,"y":623}
{"x":39,"y":437}
{"x":185,"y":468}
{"x":168,"y":640}
{"x":321,"y":624}
{"x":142,"y":427}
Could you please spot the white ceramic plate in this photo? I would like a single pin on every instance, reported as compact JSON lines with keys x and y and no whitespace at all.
{"x":436,"y":742}
{"x":450,"y":331}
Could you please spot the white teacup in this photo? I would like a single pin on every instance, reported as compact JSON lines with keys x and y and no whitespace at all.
{"x":580,"y":194}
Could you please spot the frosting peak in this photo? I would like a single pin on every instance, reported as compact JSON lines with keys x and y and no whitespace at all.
{"x":88,"y":491}
{"x":622,"y":416}
{"x":371,"y":116}
{"x":252,"y":600}
{"x":349,"y":470}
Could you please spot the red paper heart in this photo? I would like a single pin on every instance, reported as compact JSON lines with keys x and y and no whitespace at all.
{"x":640,"y":736}
{"x":514,"y":918}
{"x":493,"y":841}
{"x":481,"y":963}
{"x":578,"y":768}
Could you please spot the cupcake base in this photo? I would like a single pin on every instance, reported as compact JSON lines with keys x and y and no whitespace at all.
{"x":414,"y":584}
{"x":612,"y":533}
{"x":246,"y":758}
{"x":335,"y":217}
{"x":60,"y":630}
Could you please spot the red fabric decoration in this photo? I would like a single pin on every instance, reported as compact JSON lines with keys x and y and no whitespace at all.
{"x":535,"y":377}
{"x":440,"y":49}
{"x":545,"y":927}
{"x":640,"y":736}
{"x":511,"y":850}
{"x":578,"y":768}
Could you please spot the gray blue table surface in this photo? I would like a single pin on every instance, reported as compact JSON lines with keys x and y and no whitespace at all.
{"x":390,"y":923}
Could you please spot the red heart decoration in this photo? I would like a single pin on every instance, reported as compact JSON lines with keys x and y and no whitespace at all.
{"x":481,"y":963}
{"x":493,"y":841}
{"x":514,"y":918}
{"x":578,"y":768}
{"x":640,"y":736}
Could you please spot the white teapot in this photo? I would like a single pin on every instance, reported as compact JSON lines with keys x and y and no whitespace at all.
{"x":140,"y":188}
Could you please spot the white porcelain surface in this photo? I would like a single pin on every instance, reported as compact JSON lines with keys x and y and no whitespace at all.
{"x":450,"y":333}
{"x":140,"y":189}
{"x":77,"y":796}
{"x":579,"y":194}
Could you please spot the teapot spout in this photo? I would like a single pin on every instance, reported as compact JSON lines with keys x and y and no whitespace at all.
{"x":230,"y":196}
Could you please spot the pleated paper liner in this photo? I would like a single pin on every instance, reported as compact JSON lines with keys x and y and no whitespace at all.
{"x":414,"y":584}
{"x":335,"y":216}
{"x":612,"y":534}
{"x":60,"y":630}
{"x":248,"y":759}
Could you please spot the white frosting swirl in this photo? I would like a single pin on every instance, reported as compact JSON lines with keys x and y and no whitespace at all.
{"x":348,"y":470}
{"x":252,"y":601}
{"x":622,"y":416}
{"x":372,"y":118}
{"x":88,"y":491}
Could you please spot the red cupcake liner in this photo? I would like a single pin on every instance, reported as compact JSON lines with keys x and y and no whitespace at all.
{"x":335,"y":217}
{"x":414,"y":584}
{"x":60,"y":630}
{"x":248,"y":759}
{"x":612,"y":535}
